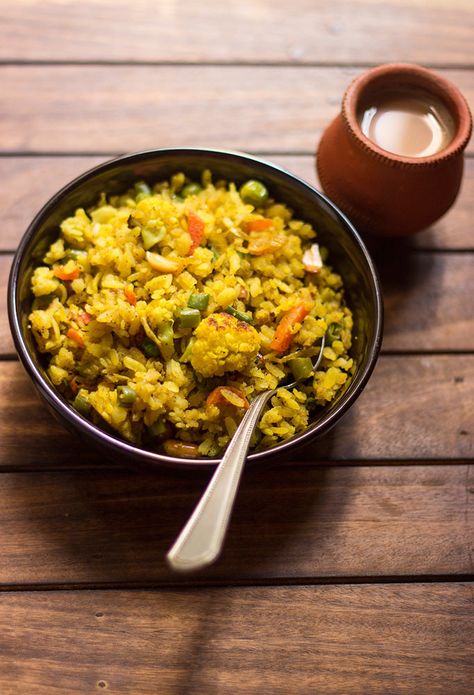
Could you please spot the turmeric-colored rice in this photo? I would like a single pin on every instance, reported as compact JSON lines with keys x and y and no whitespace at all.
{"x":164,"y":311}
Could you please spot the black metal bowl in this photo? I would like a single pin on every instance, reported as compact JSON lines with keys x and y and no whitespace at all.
{"x":347,"y":252}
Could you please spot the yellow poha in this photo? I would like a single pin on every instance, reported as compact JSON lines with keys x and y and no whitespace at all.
{"x":164,"y":311}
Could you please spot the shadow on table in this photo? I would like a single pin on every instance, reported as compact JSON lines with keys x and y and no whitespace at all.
{"x":109,"y":526}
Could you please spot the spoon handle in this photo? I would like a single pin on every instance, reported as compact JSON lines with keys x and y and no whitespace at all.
{"x":200,"y":541}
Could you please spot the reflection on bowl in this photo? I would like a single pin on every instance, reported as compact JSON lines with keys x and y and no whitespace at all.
{"x":347,"y":252}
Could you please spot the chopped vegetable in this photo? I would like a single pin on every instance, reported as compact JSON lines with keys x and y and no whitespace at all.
{"x":198,"y":301}
{"x":333,"y":332}
{"x":254,"y":193}
{"x":190,"y":189}
{"x":64,"y":274}
{"x":142,"y":190}
{"x":130,"y":296}
{"x":225,"y":395}
{"x":151,"y":237}
{"x":82,"y":405}
{"x":239,"y":314}
{"x":126,"y":395}
{"x":173,"y":447}
{"x":301,"y":367}
{"x":265,"y":242}
{"x":164,"y":265}
{"x":186,"y":356}
{"x":76,"y":337}
{"x":284,"y":331}
{"x":73,"y":385}
{"x":259,"y":225}
{"x":312,"y":260}
{"x":196,"y":231}
{"x":158,"y":428}
{"x":76,"y":254}
{"x":189,"y":318}
{"x":85,"y":318}
{"x":150,"y":348}
{"x":166,"y":338}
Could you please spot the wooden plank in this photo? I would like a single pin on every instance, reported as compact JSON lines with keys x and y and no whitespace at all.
{"x":313,"y":31}
{"x":33,"y":180}
{"x":126,"y":108}
{"x":392,"y":420}
{"x":331,"y":639}
{"x":289,"y":524}
{"x":427,"y":300}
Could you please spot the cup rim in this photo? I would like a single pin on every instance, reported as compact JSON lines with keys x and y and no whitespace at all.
{"x":446,"y":90}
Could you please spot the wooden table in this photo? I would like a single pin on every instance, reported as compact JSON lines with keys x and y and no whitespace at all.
{"x":346,"y":570}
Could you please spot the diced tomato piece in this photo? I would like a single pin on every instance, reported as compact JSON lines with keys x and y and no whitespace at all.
{"x":85,"y":318}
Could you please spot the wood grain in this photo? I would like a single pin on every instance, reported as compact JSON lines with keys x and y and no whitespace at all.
{"x":427,"y":300}
{"x":33,"y":180}
{"x":331,"y":639}
{"x":392,"y":420}
{"x":289,"y":524}
{"x":242,"y":30}
{"x":125,"y":108}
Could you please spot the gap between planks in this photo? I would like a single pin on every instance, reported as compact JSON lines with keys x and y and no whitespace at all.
{"x":270,"y":583}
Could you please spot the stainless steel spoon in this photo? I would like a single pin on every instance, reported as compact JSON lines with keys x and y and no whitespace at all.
{"x":201,"y":540}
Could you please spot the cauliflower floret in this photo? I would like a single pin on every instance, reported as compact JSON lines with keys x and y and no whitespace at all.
{"x":223,"y":344}
{"x":43,"y":281}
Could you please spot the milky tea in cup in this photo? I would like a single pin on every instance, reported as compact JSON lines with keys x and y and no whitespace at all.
{"x":407,"y":122}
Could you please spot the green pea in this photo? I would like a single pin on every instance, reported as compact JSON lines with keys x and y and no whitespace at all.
{"x":333,"y":333}
{"x":82,"y":405}
{"x":189,"y":318}
{"x":301,"y":367}
{"x":190,"y":189}
{"x":198,"y":301}
{"x":254,"y":193}
{"x":126,"y":395}
{"x":239,"y":314}
{"x":150,"y":348}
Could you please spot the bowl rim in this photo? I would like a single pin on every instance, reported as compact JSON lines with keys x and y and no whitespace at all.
{"x":103,"y":438}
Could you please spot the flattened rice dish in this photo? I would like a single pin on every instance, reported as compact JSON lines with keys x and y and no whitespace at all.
{"x":163,"y":312}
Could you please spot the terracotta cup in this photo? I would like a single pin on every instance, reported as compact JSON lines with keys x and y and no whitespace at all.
{"x":381,"y":192}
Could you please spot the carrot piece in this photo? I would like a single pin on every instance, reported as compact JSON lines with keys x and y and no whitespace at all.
{"x":63,"y":274}
{"x":173,"y":447}
{"x":74,"y":386}
{"x":76,"y":337}
{"x":196,"y":231}
{"x":284,"y":331}
{"x":259,"y":225}
{"x":227,"y":395}
{"x":130,"y":296}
